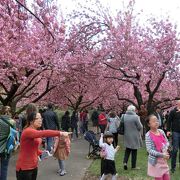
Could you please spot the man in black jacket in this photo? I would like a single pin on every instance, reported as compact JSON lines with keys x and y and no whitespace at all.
{"x":173,"y":125}
{"x":50,"y":121}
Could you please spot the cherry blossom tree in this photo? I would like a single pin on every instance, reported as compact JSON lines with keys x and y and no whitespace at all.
{"x":145,"y":57}
{"x":29,"y":50}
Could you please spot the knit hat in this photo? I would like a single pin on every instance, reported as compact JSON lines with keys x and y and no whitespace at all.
{"x":108,"y":135}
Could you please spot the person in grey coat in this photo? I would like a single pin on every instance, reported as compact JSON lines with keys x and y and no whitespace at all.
{"x":132,"y":136}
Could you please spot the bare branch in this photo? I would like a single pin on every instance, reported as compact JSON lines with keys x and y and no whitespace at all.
{"x":4,"y":87}
{"x":159,"y":83}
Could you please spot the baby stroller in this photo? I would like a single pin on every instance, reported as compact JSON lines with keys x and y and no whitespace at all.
{"x":93,"y":144}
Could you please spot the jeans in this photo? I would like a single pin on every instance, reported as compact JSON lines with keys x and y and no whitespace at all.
{"x":27,"y":174}
{"x":50,"y":143}
{"x":133,"y":153}
{"x":76,"y":131}
{"x":4,"y":162}
{"x":175,"y":144}
{"x":61,"y":165}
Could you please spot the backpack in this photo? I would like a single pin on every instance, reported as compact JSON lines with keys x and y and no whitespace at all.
{"x":9,"y":140}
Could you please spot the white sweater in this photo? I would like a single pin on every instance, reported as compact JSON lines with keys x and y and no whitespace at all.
{"x":108,"y":148}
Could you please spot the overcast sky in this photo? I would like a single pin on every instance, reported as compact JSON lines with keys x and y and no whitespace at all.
{"x":155,"y":7}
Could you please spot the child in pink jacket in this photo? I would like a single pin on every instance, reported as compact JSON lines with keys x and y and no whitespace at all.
{"x":61,"y":152}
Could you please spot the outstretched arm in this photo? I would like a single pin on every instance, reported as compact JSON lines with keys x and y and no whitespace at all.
{"x":33,"y":133}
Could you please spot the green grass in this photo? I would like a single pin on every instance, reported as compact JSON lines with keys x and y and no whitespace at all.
{"x":94,"y":169}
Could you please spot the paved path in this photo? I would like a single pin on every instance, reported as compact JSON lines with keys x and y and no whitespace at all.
{"x":76,"y":165}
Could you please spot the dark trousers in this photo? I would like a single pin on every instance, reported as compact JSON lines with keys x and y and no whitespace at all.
{"x":102,"y":166}
{"x":175,"y":144}
{"x":102,"y":128}
{"x":133,"y":153}
{"x":4,"y":162}
{"x":115,"y":142}
{"x":85,"y":125}
{"x":76,"y":131}
{"x":27,"y":174}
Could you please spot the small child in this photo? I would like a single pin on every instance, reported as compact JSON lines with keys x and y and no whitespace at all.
{"x":110,"y":151}
{"x":61,"y":152}
{"x":157,"y":147}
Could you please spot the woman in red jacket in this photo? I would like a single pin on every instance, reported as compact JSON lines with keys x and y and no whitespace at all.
{"x":27,"y":163}
{"x":102,"y":121}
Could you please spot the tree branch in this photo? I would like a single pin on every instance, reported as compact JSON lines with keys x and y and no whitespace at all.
{"x":4,"y":87}
{"x":35,"y":17}
{"x":89,"y":104}
{"x":159,"y":83}
{"x":126,"y":99}
{"x":121,"y":79}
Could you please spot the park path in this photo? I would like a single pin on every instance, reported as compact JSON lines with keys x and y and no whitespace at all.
{"x":76,"y":165}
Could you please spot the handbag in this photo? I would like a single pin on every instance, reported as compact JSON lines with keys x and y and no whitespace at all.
{"x":120,"y":129}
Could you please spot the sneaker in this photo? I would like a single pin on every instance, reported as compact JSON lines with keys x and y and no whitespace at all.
{"x":62,"y":173}
{"x":59,"y":171}
{"x":45,"y":155}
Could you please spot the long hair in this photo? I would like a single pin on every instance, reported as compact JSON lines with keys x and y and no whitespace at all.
{"x":31,"y":108}
{"x":30,"y":118}
{"x":112,"y":114}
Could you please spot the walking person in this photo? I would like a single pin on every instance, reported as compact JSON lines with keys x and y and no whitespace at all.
{"x":173,"y":125}
{"x":61,"y":152}
{"x":108,"y":162}
{"x":132,"y":136}
{"x":112,"y":126}
{"x":22,"y":118}
{"x":5,"y":118}
{"x":157,"y":147}
{"x":65,"y":122}
{"x":102,"y":121}
{"x":84,"y":117}
{"x":94,"y":118}
{"x":27,"y":162}
{"x":50,"y":122}
{"x":74,"y":124}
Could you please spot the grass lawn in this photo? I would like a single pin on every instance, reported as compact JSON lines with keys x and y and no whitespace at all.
{"x":94,"y":169}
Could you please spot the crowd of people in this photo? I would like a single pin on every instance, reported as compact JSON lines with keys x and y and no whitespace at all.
{"x":43,"y":126}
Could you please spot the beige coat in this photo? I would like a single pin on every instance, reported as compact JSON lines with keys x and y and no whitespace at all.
{"x":62,"y":147}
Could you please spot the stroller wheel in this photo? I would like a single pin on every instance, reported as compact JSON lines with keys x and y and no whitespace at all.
{"x":88,"y":157}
